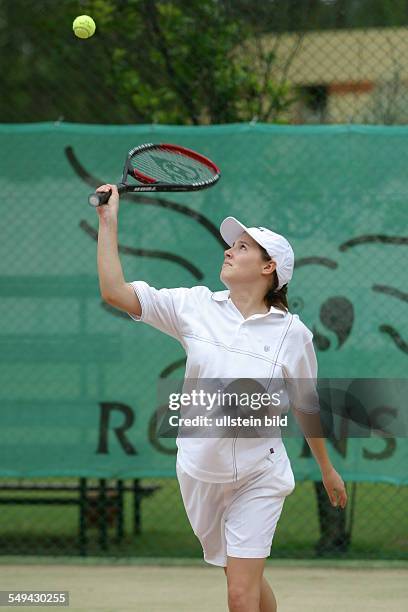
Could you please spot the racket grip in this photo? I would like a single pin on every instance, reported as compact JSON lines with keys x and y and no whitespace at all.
{"x":99,"y":198}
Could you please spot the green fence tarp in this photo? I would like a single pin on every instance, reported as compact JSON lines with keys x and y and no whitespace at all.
{"x":73,"y":369}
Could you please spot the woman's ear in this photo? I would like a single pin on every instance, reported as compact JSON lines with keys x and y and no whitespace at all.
{"x":269,"y":266}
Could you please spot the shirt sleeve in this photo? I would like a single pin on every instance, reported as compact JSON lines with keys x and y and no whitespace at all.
{"x":301,"y":372}
{"x":161,"y":308}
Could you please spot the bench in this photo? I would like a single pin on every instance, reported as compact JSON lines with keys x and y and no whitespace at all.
{"x":101,"y":505}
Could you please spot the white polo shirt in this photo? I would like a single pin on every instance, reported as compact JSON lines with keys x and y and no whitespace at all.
{"x":220,"y":343}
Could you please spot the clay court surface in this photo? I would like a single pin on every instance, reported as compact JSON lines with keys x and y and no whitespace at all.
{"x":152,"y":588}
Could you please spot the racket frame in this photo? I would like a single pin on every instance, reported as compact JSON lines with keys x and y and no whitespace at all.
{"x":147,"y":184}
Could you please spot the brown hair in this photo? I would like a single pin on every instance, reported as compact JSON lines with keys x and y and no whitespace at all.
{"x":275,"y":298}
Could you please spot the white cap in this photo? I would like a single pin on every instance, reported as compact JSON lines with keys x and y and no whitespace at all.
{"x":275,"y":245}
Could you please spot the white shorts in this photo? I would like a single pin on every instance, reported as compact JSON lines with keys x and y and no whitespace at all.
{"x":238,"y":519}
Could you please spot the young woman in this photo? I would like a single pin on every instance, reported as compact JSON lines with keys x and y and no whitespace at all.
{"x":233,"y":489}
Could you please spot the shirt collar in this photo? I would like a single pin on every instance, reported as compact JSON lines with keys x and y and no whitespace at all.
{"x":223,"y":296}
{"x":220,"y":296}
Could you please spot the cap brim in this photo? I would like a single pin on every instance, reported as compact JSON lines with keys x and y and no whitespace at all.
{"x":231,"y":229}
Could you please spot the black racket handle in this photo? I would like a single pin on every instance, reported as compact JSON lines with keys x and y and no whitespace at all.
{"x":99,"y":198}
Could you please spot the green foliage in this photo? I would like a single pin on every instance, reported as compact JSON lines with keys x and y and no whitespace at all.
{"x":167,"y":61}
{"x":188,"y":66}
{"x":179,"y":62}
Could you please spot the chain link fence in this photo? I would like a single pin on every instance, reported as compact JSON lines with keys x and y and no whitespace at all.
{"x":338,"y":193}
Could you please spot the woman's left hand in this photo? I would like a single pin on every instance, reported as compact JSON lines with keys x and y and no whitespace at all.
{"x":335,"y":488}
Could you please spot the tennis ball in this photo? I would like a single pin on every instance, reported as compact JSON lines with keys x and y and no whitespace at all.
{"x":84,"y":26}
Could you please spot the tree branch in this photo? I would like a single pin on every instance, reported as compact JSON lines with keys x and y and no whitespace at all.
{"x":178,"y":84}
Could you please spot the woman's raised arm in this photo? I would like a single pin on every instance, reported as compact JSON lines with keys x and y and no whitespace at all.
{"x":114,"y":289}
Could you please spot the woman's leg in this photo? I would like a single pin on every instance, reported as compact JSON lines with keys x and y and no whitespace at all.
{"x":267,"y":598}
{"x":268,"y":601}
{"x":244,"y":581}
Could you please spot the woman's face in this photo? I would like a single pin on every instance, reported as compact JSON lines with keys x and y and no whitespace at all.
{"x":243,"y":262}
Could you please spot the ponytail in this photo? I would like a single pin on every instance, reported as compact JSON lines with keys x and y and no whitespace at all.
{"x":275,"y":298}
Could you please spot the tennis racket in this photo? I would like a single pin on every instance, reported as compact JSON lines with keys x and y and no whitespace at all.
{"x":162,"y":167}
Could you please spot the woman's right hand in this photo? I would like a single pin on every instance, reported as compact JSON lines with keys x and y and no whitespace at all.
{"x":111,"y":208}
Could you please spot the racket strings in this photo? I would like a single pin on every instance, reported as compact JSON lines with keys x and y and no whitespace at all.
{"x":167,"y":166}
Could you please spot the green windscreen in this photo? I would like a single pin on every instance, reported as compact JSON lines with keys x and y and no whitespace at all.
{"x":78,"y":379}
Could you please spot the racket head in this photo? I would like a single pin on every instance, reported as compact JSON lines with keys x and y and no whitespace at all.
{"x":170,"y":166}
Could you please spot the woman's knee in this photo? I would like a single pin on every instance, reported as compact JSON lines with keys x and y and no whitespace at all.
{"x":241,"y":599}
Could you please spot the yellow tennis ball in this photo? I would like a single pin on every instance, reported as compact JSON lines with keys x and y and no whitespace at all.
{"x":84,"y":26}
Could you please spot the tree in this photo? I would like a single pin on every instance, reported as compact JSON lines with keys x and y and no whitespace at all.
{"x":166,"y":61}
